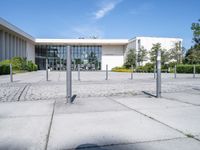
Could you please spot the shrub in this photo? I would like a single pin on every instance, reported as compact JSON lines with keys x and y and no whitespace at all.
{"x":5,"y":62}
{"x":20,"y":64}
{"x":121,"y":69}
{"x":4,"y":69}
{"x":35,"y":67}
{"x":187,"y":68}
{"x":31,"y":66}
{"x":146,"y":68}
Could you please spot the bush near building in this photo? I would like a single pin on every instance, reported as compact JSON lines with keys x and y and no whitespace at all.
{"x":169,"y":68}
{"x":121,"y":69}
{"x":18,"y":64}
{"x":187,"y":68}
{"x":4,"y":69}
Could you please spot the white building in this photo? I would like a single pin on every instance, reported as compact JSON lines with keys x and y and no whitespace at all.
{"x":92,"y":54}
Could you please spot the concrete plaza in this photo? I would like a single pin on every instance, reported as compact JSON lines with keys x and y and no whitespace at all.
{"x":113,"y":114}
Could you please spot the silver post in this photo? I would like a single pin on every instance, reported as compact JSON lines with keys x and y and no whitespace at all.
{"x":79,"y":72}
{"x":106,"y":72}
{"x":69,"y":75}
{"x":175,"y":71}
{"x":194,"y":71}
{"x":60,"y":64}
{"x":47,"y":73}
{"x":158,"y":83}
{"x":11,"y":74}
{"x":154,"y":72}
{"x":131,"y":72}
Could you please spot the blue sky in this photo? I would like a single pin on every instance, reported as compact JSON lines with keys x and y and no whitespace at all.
{"x":103,"y":18}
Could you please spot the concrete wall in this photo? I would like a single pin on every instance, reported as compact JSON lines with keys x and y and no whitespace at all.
{"x":13,"y":44}
{"x":130,"y":45}
{"x":30,"y":49}
{"x":147,"y":43}
{"x":113,"y":55}
{"x":166,"y":43}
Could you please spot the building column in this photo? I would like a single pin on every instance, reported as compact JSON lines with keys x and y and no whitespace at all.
{"x":11,"y":45}
{"x":25,"y":49}
{"x":18,"y":53}
{"x":2,"y":45}
{"x":14,"y":46}
{"x":7,"y":45}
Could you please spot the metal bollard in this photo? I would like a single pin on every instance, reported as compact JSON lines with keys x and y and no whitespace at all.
{"x":11,"y":74}
{"x":106,"y":72}
{"x":131,"y":72}
{"x":154,"y":71}
{"x":69,"y":75}
{"x":175,"y":71}
{"x":47,"y":73}
{"x":158,"y":81}
{"x":79,"y":72}
{"x":194,"y":71}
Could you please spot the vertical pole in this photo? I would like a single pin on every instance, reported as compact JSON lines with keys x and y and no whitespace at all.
{"x":106,"y":72}
{"x":131,"y":72}
{"x":60,"y":64}
{"x":47,"y":73}
{"x":79,"y":72}
{"x":69,"y":75}
{"x":11,"y":74}
{"x":194,"y":71}
{"x":175,"y":71}
{"x":154,"y":71}
{"x":158,"y":83}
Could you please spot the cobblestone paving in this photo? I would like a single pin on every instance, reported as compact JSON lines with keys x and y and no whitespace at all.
{"x":33,"y":86}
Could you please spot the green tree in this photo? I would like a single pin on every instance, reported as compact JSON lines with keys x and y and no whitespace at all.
{"x":193,"y":54}
{"x":164,"y":54}
{"x":153,"y":52}
{"x":142,"y":55}
{"x":196,"y":32}
{"x":177,"y":53}
{"x":130,"y":58}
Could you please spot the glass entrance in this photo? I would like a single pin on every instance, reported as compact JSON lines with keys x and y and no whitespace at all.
{"x":88,"y":56}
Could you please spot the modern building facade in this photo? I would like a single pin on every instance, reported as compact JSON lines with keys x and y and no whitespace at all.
{"x":91,"y":54}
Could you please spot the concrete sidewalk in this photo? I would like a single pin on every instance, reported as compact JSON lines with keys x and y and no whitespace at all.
{"x":102,"y":123}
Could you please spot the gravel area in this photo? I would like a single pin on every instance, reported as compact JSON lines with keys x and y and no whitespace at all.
{"x":33,"y":85}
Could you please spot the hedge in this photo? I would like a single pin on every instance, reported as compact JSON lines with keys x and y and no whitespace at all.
{"x":4,"y":69}
{"x":121,"y":69}
{"x":18,"y":64}
{"x":187,"y":68}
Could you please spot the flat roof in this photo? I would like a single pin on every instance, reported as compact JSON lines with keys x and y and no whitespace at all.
{"x":154,"y":37}
{"x":15,"y":29}
{"x":83,"y":41}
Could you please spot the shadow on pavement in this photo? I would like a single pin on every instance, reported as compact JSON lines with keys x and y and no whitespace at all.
{"x":90,"y":146}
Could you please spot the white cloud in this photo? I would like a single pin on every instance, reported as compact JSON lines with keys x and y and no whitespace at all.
{"x":106,"y":8}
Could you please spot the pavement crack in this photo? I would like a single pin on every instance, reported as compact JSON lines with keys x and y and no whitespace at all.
{"x":50,"y":125}
{"x":128,"y":143}
{"x":154,"y":119}
{"x":19,"y":97}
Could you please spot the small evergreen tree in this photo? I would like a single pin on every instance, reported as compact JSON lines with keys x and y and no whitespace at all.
{"x":177,"y":53}
{"x":153,"y":53}
{"x":142,"y":55}
{"x":130,"y":58}
{"x":193,"y":54}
